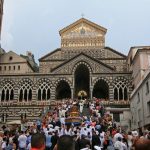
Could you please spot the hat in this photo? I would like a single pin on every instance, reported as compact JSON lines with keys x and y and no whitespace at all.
{"x":135,"y":133}
{"x":84,"y":148}
{"x":97,"y":147}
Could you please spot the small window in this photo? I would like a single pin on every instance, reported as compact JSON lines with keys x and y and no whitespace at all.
{"x":138,"y":97}
{"x":147,"y":87}
{"x":9,"y":67}
{"x":19,"y":67}
{"x":4,"y":67}
{"x":116,"y":117}
{"x":14,"y":67}
{"x":139,"y":115}
{"x":148,"y":108}
{"x":131,"y":60}
{"x":10,"y":58}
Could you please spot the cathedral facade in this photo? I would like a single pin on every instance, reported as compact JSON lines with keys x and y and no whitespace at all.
{"x":83,"y":67}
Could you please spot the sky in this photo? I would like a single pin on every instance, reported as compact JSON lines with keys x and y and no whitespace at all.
{"x":34,"y":25}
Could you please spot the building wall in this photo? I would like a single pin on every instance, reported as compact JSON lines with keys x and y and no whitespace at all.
{"x":138,"y":62}
{"x":10,"y":68}
{"x":140,"y":104}
{"x":12,"y":63}
{"x":1,"y":13}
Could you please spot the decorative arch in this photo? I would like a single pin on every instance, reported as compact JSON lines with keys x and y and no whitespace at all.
{"x":62,"y":79}
{"x":84,"y":63}
{"x":7,"y":90}
{"x":43,"y":89}
{"x":82,"y":72}
{"x":63,"y":89}
{"x":25,"y":89}
{"x":101,"y":89}
{"x":101,"y":78}
{"x":120,"y":88}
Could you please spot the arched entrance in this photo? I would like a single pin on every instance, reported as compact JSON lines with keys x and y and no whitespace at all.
{"x":101,"y":90}
{"x":82,"y":80}
{"x":63,"y":90}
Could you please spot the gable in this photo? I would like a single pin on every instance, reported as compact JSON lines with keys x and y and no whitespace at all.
{"x":84,"y":22}
{"x":82,"y":34}
{"x":83,"y":30}
{"x":11,"y":57}
{"x":56,"y":54}
{"x":111,"y":53}
{"x":95,"y":65}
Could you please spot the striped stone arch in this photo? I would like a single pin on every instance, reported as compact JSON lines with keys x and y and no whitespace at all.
{"x":7,"y":88}
{"x":25,"y":89}
{"x":41,"y":80}
{"x":122,"y":79}
{"x":84,"y":63}
{"x":62,"y":79}
{"x":62,"y":92}
{"x":25,"y":80}
{"x":101,"y":78}
{"x":101,"y":86}
{"x":43,"y":89}
{"x":121,"y":88}
{"x":3,"y":82}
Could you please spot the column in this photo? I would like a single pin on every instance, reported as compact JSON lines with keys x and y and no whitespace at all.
{"x":9,"y":95}
{"x":46,"y":95}
{"x":111,"y":93}
{"x":16,"y":93}
{"x":91,"y":93}
{"x":72,"y":93}
{"x":123,"y":93}
{"x":23,"y":95}
{"x":27,"y":95}
{"x":41,"y":94}
{"x":53,"y":93}
{"x":118,"y":94}
{"x":34,"y":93}
{"x":4,"y":95}
{"x":0,"y":94}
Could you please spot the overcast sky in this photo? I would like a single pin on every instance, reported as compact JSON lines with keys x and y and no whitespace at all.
{"x":34,"y":24}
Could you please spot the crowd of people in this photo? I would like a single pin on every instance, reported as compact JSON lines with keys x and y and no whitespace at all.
{"x":98,"y":131}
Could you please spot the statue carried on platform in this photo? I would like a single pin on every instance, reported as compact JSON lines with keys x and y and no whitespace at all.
{"x":74,"y":116}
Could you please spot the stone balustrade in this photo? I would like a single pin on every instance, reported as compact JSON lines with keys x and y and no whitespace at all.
{"x":115,"y":102}
{"x":58,"y":102}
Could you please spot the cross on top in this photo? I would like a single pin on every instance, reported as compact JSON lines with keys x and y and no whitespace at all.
{"x":82,"y":15}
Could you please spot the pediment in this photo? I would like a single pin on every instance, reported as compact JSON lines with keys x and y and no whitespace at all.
{"x":111,"y":53}
{"x":95,"y":65}
{"x":56,"y":54}
{"x":83,"y":28}
{"x":11,"y":57}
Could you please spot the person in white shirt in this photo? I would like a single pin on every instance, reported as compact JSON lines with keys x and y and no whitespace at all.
{"x":81,"y":104}
{"x":119,"y":145}
{"x":129,"y":140}
{"x":116,"y":136}
{"x":22,"y":139}
{"x":3,"y":145}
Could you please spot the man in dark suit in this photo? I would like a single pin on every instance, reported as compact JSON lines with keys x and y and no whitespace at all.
{"x":83,"y":142}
